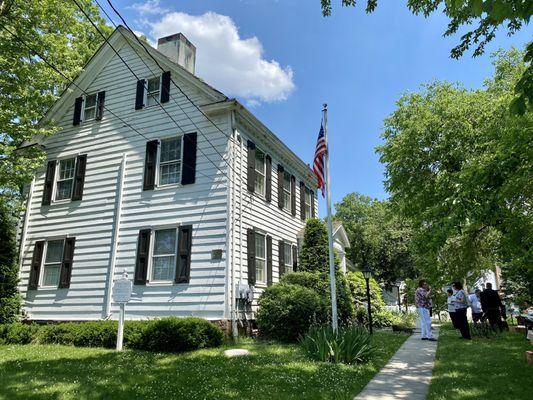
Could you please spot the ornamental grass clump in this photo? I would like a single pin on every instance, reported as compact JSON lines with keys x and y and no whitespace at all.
{"x":349,"y":345}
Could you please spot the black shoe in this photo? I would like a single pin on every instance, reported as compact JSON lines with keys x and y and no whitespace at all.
{"x":425,"y":338}
{"x":432,"y":339}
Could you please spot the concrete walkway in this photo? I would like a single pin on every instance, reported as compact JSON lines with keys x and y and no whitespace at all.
{"x":408,"y":373}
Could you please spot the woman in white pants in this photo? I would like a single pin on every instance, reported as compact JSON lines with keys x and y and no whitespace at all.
{"x":423,"y":303}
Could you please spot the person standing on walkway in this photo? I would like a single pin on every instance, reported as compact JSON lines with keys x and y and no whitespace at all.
{"x":461,"y":304}
{"x":423,"y":303}
{"x":451,"y":306}
{"x":475,"y":304}
{"x":491,"y":305}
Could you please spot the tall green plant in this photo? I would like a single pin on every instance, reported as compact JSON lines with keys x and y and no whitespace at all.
{"x":10,"y":300}
{"x":315,"y":249}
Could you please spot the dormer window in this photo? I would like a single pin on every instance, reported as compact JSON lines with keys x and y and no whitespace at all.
{"x":89,"y":108}
{"x":154,"y":91}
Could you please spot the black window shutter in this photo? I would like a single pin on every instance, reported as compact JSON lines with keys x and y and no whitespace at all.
{"x":293,"y":195}
{"x":251,"y":167}
{"x":77,"y":111}
{"x":250,"y":240}
{"x":66,"y":265}
{"x":294,"y":258}
{"x":312,"y":203}
{"x":268,"y":178}
{"x":188,"y":175}
{"x":139,"y":96}
{"x":281,"y":174}
{"x":150,"y":162}
{"x":49,"y":183}
{"x":79,"y":177}
{"x":35,"y":269}
{"x":100,"y":105}
{"x":269,"y":260}
{"x":302,"y":201}
{"x":281,"y":254}
{"x":143,"y":250}
{"x":183,"y":263}
{"x":165,"y":87}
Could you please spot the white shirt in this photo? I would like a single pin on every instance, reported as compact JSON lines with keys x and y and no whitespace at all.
{"x":451,"y":305}
{"x":475,"y":303}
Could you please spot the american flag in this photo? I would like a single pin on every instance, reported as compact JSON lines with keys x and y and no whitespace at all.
{"x":318,"y":164}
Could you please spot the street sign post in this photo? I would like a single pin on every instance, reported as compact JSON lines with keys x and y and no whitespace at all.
{"x":121,"y":295}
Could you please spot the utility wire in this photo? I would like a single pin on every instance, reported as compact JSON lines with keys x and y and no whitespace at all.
{"x":137,"y":77}
{"x":71,"y":81}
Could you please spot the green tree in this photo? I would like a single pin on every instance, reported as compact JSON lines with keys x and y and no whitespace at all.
{"x":490,"y":15}
{"x":59,"y":30}
{"x":10,"y":300}
{"x":458,"y":166}
{"x":378,"y":234}
{"x":315,"y":248}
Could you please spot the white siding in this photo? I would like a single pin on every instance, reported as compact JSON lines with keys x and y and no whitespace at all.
{"x":203,"y":204}
{"x":258,"y":213}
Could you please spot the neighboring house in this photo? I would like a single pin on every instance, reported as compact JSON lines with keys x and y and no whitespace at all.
{"x":137,"y":179}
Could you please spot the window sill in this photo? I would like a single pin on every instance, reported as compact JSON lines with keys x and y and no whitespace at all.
{"x":169,"y":186}
{"x":161,"y":283}
{"x":48,"y":287}
{"x":62,"y":201}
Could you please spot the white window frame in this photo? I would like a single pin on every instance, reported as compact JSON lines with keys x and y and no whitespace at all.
{"x":289,"y":192}
{"x":158,"y":163}
{"x":263,"y":173}
{"x":289,"y":267}
{"x":83,"y":119}
{"x":261,"y":282}
{"x":56,"y":179}
{"x":43,"y":262}
{"x":146,"y":92}
{"x":151,"y":254}
{"x":308,"y":203}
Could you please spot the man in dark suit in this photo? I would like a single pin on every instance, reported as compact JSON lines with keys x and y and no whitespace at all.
{"x":491,"y":305}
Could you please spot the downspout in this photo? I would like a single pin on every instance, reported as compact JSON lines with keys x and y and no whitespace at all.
{"x":233,"y":298}
{"x":114,"y":243}
{"x":24,"y":227}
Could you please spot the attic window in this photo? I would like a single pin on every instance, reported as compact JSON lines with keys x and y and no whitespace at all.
{"x":89,"y":110}
{"x":154,"y":91}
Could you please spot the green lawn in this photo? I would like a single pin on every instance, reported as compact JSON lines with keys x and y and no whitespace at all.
{"x":488,"y":369}
{"x":272,"y":372}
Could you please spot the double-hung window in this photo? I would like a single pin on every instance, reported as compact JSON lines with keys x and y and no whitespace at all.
{"x":65,"y":178}
{"x":52,"y":262}
{"x":287,"y":251}
{"x":307,"y":198}
{"x":170,"y":160}
{"x":260,"y":171}
{"x":286,"y":191}
{"x":89,"y":108}
{"x":260,"y":258}
{"x":153,"y":94}
{"x":164,"y":255}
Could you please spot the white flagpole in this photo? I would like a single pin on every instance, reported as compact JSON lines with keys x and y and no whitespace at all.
{"x":334,"y":320}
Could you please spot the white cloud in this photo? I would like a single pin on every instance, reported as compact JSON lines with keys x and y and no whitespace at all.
{"x":148,"y":7}
{"x":225,"y":60}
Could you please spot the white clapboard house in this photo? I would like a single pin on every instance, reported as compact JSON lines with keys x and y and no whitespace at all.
{"x":156,"y":173}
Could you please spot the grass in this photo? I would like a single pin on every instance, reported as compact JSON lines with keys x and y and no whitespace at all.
{"x":272,"y":371}
{"x":488,"y":369}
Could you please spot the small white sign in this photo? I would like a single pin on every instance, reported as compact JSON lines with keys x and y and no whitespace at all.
{"x":122,"y":290}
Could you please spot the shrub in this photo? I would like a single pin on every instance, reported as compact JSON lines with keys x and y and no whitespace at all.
{"x":179,"y":334}
{"x":357,"y":285}
{"x":17,"y":333}
{"x":82,"y":334}
{"x":287,"y":311}
{"x":349,"y":345}
{"x":319,"y":282}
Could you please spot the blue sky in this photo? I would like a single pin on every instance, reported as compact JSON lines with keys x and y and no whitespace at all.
{"x":356,"y":62}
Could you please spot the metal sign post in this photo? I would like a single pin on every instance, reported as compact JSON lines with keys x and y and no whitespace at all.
{"x":121,"y":295}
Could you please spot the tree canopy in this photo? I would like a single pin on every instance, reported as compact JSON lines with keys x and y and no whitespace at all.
{"x":378,"y":235}
{"x":458,"y":166}
{"x":58,"y":30}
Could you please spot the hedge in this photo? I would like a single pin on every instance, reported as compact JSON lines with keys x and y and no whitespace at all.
{"x":165,"y":335}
